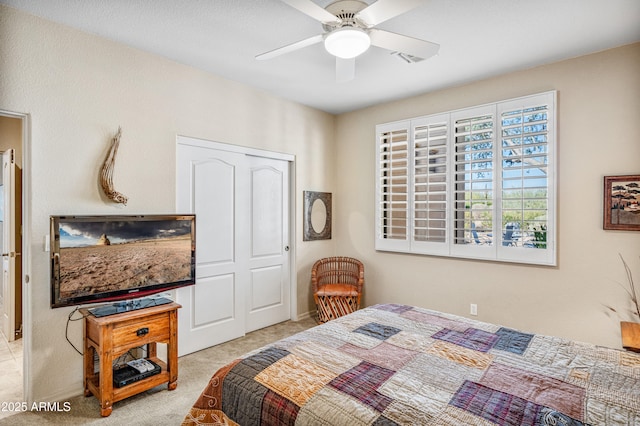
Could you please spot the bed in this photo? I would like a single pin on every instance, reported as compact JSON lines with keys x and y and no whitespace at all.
{"x":395,"y":364}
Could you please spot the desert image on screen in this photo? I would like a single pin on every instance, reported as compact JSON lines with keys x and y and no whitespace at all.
{"x":98,"y":257}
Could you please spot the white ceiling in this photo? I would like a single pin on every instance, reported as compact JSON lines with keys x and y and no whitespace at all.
{"x":478,"y":39}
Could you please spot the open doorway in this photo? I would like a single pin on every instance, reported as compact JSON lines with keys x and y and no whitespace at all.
{"x":11,"y":297}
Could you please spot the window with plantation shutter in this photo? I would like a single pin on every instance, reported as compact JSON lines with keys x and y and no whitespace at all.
{"x":476,"y":183}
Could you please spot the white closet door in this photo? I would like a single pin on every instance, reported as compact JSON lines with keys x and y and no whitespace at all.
{"x":241,"y":204}
{"x":212,"y":185}
{"x":268,"y":296}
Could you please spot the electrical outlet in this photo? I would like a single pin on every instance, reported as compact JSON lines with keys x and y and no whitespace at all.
{"x":474,"y":309}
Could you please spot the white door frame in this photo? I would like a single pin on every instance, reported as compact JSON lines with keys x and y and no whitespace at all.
{"x":26,"y":252}
{"x":202,"y":143}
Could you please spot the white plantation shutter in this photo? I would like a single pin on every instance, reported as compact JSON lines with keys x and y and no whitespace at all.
{"x":430,"y":184}
{"x":475,"y":183}
{"x":527,"y":188}
{"x":473,"y":177}
{"x":392,"y":218}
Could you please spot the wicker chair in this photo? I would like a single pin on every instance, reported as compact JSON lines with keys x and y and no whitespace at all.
{"x":337,"y":286}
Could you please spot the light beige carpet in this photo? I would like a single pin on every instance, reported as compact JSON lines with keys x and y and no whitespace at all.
{"x":159,"y":406}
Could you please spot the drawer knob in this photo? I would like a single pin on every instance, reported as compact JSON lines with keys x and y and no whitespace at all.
{"x":142,"y":331}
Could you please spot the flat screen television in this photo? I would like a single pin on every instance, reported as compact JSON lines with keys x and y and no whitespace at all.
{"x":106,"y":258}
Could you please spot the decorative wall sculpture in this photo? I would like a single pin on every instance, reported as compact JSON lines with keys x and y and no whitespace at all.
{"x":106,"y":173}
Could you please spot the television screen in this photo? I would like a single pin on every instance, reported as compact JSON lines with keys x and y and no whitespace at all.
{"x":102,"y":258}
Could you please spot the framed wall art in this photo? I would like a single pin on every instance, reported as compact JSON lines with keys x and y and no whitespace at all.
{"x":317,"y":216}
{"x":622,"y":202}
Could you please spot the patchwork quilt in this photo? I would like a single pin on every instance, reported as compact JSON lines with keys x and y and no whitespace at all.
{"x":402,"y":365}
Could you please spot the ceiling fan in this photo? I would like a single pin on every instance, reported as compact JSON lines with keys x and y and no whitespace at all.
{"x":349,"y":27}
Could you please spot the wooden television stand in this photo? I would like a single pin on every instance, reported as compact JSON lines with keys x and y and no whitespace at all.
{"x":112,"y":336}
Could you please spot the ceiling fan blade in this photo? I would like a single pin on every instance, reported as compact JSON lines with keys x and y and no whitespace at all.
{"x":290,"y":47}
{"x":404,"y":44}
{"x":345,"y":69}
{"x":383,"y":10}
{"x":313,"y":10}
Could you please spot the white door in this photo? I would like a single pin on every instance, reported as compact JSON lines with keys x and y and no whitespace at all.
{"x":238,"y":266}
{"x":9,"y":252}
{"x":268,"y":296}
{"x":213,"y":310}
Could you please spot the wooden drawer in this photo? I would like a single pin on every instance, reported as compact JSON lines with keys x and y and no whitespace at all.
{"x":133,"y":333}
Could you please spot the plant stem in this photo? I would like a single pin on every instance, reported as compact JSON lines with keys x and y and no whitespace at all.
{"x":634,"y":296}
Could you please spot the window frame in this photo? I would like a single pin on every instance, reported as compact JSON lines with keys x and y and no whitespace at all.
{"x":496,"y":250}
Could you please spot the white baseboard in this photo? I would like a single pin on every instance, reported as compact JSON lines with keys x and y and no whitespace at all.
{"x":306,"y":315}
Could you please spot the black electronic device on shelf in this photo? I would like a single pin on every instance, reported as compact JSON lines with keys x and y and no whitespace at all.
{"x":129,"y":305}
{"x":126,"y":375}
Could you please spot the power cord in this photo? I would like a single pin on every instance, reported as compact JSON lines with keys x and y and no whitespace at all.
{"x":121,"y":359}
{"x":129,"y":355}
{"x":66,"y":331}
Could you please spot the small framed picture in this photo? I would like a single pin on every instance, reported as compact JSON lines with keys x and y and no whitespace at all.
{"x":622,"y":202}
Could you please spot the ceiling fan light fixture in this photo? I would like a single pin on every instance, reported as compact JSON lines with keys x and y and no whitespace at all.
{"x":347,"y":42}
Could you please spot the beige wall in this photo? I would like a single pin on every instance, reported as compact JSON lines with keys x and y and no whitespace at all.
{"x":78,"y":88}
{"x":599,"y":134}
